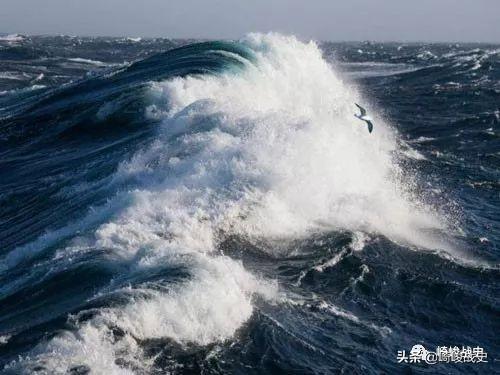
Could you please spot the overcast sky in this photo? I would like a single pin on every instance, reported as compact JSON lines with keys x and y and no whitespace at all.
{"x":406,"y":20}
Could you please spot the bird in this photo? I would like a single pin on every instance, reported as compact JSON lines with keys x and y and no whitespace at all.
{"x":363,"y":116}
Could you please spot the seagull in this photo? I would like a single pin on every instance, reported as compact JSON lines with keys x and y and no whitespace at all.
{"x":364,"y":117}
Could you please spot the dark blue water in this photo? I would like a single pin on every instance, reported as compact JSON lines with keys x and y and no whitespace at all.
{"x":180,"y":207}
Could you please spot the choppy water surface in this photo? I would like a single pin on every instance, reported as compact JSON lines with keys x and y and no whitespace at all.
{"x":215,"y":207}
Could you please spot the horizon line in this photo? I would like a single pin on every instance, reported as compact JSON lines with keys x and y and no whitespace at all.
{"x":234,"y":39}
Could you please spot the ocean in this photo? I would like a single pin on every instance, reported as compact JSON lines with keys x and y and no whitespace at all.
{"x":214,"y":207}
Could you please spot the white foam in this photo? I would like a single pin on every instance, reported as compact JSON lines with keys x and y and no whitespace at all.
{"x":422,"y":139}
{"x":335,"y":310}
{"x":359,"y":241}
{"x":208,"y":308}
{"x":285,"y":133}
{"x":4,"y":339}
{"x":364,"y":271}
{"x":12,"y":38}
{"x":39,"y":77}
{"x":331,"y":262}
{"x":338,"y":311}
{"x":51,"y":238}
{"x":87,"y":61}
{"x":411,"y":153}
{"x":25,"y":89}
{"x":358,"y":70}
{"x":13,"y":76}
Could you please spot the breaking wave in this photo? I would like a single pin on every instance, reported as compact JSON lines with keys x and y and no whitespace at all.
{"x":255,"y":139}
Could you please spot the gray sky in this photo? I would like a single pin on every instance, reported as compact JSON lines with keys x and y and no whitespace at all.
{"x":406,"y":20}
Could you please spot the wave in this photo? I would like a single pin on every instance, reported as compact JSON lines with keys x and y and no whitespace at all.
{"x":87,"y":61}
{"x":372,"y":69}
{"x":255,"y":139}
{"x":12,"y":38}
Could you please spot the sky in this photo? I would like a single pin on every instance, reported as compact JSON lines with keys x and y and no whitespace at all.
{"x":335,"y":20}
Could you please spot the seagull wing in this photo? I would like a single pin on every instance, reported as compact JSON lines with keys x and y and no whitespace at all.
{"x":363,"y":111}
{"x":370,"y":126}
